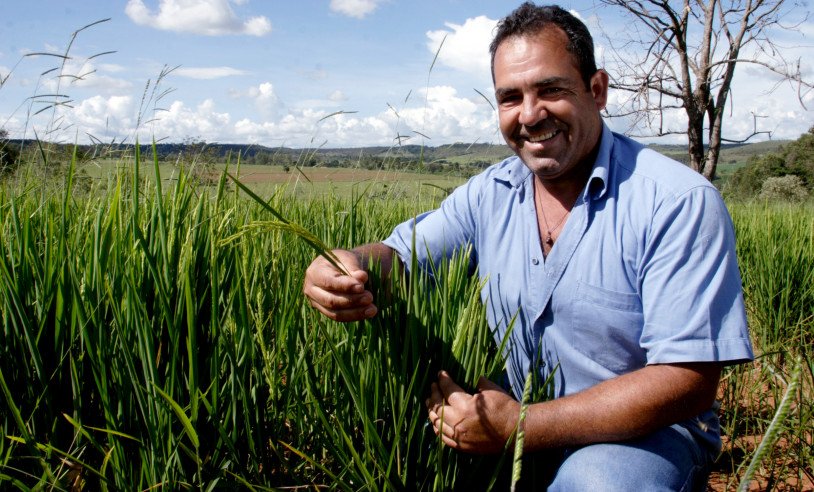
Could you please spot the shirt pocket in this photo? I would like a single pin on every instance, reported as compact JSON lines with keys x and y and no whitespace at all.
{"x":607,"y":327}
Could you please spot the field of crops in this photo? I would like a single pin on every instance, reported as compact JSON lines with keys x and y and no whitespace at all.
{"x":154,"y":335}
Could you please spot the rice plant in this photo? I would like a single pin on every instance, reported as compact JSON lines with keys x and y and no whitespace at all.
{"x":158,"y":337}
{"x":776,"y":256}
{"x":154,"y":334}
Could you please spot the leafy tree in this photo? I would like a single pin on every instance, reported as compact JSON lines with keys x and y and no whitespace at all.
{"x":199,"y":158}
{"x":9,"y":153}
{"x":690,"y":51}
{"x":794,"y":159}
{"x":798,"y":158}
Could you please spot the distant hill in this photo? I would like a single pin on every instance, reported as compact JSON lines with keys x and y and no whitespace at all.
{"x":477,"y":154}
{"x":730,"y":153}
{"x":476,"y":151}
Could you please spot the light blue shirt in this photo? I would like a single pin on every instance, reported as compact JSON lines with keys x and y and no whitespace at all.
{"x":644,"y":270}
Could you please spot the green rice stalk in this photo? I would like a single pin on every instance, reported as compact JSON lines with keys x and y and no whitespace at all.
{"x":310,"y":239}
{"x":775,"y":428}
{"x":520,"y":433}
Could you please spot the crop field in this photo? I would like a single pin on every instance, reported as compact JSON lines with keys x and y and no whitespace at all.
{"x":344,"y":182}
{"x":155,"y":336}
{"x":305,"y":182}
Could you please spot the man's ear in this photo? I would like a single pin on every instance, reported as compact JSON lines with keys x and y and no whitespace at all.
{"x":599,"y":88}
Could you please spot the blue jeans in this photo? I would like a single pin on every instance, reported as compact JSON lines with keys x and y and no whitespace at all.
{"x":670,"y":459}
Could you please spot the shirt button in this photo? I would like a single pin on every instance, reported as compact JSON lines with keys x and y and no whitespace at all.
{"x":534,"y":261}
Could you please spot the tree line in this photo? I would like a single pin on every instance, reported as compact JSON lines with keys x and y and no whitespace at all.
{"x":787,"y":174}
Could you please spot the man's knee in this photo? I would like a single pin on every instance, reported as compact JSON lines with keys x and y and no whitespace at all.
{"x":664,"y":461}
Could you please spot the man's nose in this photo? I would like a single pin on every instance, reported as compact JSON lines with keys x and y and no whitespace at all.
{"x":533,"y":111}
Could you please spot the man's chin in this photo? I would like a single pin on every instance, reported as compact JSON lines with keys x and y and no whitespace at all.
{"x":541,"y":165}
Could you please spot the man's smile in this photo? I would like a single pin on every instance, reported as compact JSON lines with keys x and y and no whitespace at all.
{"x":540,"y":138}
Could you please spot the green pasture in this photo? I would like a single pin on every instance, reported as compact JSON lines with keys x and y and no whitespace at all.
{"x":303,"y":182}
{"x":155,"y":335}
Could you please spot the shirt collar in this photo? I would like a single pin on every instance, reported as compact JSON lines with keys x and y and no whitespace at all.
{"x":598,"y":182}
{"x":514,"y":172}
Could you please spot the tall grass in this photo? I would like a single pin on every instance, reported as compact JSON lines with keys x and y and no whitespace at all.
{"x":154,"y":334}
{"x":776,"y":255}
{"x":776,"y":249}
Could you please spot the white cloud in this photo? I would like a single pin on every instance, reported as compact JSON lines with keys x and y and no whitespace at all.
{"x":354,"y":8}
{"x":207,"y":73}
{"x":332,"y":100}
{"x":120,"y":108}
{"x":347,"y":130}
{"x":111,"y":67}
{"x":83,"y":74}
{"x":179,"y":122}
{"x":748,"y":112}
{"x":102,"y":117}
{"x":104,"y":84}
{"x":466,"y":47}
{"x":444,"y":116}
{"x":337,"y":96}
{"x":297,"y":129}
{"x":115,"y":117}
{"x":205,"y":17}
{"x":264,"y":100}
{"x":437,"y":112}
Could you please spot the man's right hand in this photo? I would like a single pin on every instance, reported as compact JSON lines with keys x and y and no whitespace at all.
{"x":339,"y":295}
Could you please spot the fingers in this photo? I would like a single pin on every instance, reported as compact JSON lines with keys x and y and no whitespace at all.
{"x":444,"y":421}
{"x":335,"y":313}
{"x":478,"y":423}
{"x":443,"y":414}
{"x":441,"y":391}
{"x":340,"y":299}
{"x":321,"y":273}
{"x":337,"y":295}
{"x":451,"y":391}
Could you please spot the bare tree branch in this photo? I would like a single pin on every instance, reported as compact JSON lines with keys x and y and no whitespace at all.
{"x":683,"y":56}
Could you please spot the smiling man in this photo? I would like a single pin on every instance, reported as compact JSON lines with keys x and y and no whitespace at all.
{"x":620,"y":265}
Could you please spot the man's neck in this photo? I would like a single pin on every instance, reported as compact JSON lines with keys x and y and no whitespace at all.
{"x":567,"y":188}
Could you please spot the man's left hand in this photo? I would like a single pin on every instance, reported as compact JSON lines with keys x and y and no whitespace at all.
{"x":480,"y":423}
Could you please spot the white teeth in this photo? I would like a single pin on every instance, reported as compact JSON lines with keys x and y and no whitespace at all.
{"x":545,"y":136}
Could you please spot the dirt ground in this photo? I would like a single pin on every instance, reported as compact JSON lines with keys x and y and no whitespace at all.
{"x":721,"y":478}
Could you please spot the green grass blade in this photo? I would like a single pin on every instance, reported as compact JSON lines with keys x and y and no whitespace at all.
{"x":179,"y":412}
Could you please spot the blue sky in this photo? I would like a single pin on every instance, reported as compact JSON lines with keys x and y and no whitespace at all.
{"x":251,"y":71}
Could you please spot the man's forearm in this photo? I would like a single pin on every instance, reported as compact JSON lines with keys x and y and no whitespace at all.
{"x":624,"y":407}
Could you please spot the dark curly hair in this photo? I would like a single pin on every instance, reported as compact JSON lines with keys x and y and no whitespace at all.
{"x":529,"y":19}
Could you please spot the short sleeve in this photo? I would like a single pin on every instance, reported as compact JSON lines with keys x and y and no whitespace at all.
{"x":692,"y":296}
{"x":440,"y":232}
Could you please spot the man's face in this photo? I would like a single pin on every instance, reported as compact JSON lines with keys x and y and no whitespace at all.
{"x":547,"y":115}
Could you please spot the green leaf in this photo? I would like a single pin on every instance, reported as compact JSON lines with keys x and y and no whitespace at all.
{"x":179,"y":412}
